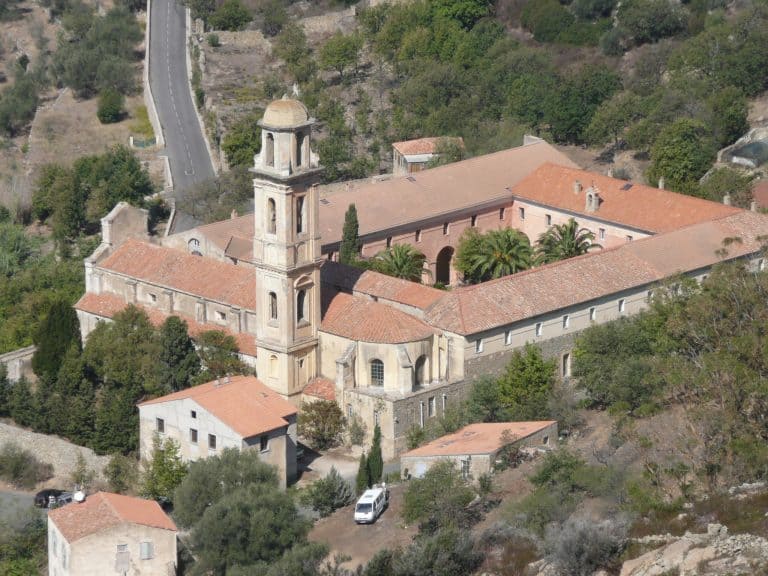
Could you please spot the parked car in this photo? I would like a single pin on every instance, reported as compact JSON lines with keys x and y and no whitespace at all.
{"x":371,"y":504}
{"x":43,"y":498}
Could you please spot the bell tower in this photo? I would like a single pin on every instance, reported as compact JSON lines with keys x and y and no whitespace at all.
{"x":286,"y":249}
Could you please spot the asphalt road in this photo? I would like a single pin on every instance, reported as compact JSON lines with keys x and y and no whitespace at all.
{"x":14,"y":508}
{"x":184,"y":144}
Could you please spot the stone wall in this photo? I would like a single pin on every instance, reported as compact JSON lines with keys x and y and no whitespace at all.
{"x":18,"y":363}
{"x":494,"y":364}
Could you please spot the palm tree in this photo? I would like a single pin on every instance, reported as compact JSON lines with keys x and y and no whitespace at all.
{"x":563,"y":241}
{"x":401,"y":261}
{"x":499,"y":253}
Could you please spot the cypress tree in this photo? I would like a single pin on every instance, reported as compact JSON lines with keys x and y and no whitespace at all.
{"x":57,"y":332}
{"x":363,"y":479}
{"x":375,"y":460}
{"x":350,"y":237}
{"x":179,"y":362}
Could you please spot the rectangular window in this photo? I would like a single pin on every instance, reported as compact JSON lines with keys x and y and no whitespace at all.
{"x":446,"y":228}
{"x":445,"y":401}
{"x":160,"y":425}
{"x":539,"y":328}
{"x":473,"y":220}
{"x":193,"y":435}
{"x":122,"y":548}
{"x":522,"y":213}
{"x":220,"y":316}
{"x":431,"y":407}
{"x":622,"y":305}
{"x":478,"y":345}
{"x":545,"y":440}
{"x":629,"y":238}
{"x":566,"y":368}
{"x":212,"y":441}
{"x":549,"y":219}
{"x":418,"y":235}
{"x":389,"y":241}
{"x":508,"y":337}
{"x":264,"y":443}
{"x":146,"y":551}
{"x":152,"y":297}
{"x":592,"y":314}
{"x":601,"y":234}
{"x":465,"y":469}
{"x":502,"y":213}
{"x":421,"y":414}
{"x":566,"y":321}
{"x":350,"y":412}
{"x":193,"y":413}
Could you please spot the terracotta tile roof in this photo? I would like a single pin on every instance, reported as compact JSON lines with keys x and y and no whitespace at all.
{"x":474,"y":309}
{"x":205,"y":277}
{"x":107,"y":305}
{"x":430,"y":193}
{"x":244,"y":404}
{"x":635,"y":205}
{"x":322,"y":388}
{"x":104,"y":510}
{"x":377,"y":285}
{"x":364,"y":320}
{"x":483,"y":438}
{"x":399,"y":201}
{"x":424,"y":145}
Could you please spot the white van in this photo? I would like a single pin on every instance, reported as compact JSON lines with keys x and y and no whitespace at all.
{"x":371,"y":504}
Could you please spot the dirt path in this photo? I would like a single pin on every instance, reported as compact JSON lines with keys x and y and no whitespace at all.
{"x":361,"y":542}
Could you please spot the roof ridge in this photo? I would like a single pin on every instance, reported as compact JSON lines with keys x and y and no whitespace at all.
{"x":103,"y":498}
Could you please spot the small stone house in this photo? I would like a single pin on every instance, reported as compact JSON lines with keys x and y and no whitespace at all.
{"x":111,"y":534}
{"x":475,"y":448}
{"x":233,"y":412}
{"x":414,"y":155}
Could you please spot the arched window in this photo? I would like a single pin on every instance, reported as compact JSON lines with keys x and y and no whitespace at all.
{"x":299,"y":149}
{"x":273,"y":366}
{"x":299,"y":214}
{"x":271,"y":216}
{"x":270,"y":151}
{"x":194,"y":247}
{"x":301,"y":306}
{"x":272,"y":306}
{"x":377,"y":372}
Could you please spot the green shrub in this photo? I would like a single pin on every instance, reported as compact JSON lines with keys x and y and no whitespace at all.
{"x":322,"y":423}
{"x":20,"y":467}
{"x":122,"y":473}
{"x":582,"y":546}
{"x":441,"y":495}
{"x":231,"y":15}
{"x":213,"y":40}
{"x":111,"y":104}
{"x":329,"y":494}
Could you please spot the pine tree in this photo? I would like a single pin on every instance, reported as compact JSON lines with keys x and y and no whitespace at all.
{"x":375,"y":460}
{"x":363,"y":479}
{"x":57,"y":332}
{"x":350,"y":237}
{"x":179,"y":362}
{"x":23,"y":403}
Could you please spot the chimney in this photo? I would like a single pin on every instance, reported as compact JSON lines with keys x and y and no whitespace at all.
{"x":576,"y":187}
{"x":593,"y":199}
{"x":661,"y":183}
{"x":727,"y":199}
{"x":753,"y":206}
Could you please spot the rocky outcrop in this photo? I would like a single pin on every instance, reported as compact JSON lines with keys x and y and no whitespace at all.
{"x":711,"y":554}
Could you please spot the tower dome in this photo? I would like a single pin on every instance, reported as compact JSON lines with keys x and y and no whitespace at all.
{"x":285,"y":113}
